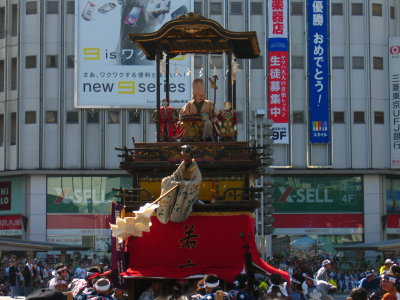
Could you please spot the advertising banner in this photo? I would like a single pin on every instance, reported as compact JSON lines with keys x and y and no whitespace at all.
{"x":79,"y":224}
{"x":83,"y":194}
{"x":392,"y":195}
{"x":393,"y":224}
{"x":109,"y":70}
{"x":394,"y":79}
{"x":11,"y":225}
{"x":318,"y":194}
{"x":5,"y":195}
{"x":318,"y":224}
{"x":278,"y":67}
{"x":65,"y":240}
{"x":318,"y":72}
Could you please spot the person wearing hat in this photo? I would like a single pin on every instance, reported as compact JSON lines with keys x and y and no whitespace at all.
{"x":239,"y":291}
{"x":322,"y":273}
{"x":386,"y":266}
{"x":201,"y":107}
{"x":212,"y":289}
{"x":177,"y":205}
{"x":80,"y":286}
{"x":370,"y":283}
{"x":61,"y":273}
{"x":388,"y":284}
{"x":316,"y":289}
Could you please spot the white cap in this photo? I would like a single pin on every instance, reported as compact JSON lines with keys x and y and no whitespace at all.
{"x":389,"y":261}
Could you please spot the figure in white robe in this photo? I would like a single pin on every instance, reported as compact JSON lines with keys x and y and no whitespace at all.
{"x":177,"y":206}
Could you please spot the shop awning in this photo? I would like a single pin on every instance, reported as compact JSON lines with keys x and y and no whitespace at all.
{"x":388,"y":245}
{"x":206,"y":243}
{"x":7,"y":244}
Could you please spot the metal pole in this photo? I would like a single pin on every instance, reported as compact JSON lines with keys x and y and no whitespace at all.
{"x":158,"y":95}
{"x":166,"y":87}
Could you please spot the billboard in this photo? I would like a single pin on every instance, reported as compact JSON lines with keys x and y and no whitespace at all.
{"x":110,"y":72}
{"x":394,"y":73}
{"x":318,"y":71}
{"x":277,"y":64}
{"x":83,"y":194}
{"x":318,"y":194}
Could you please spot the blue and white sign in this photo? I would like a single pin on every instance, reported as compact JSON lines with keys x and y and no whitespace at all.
{"x":318,"y":56}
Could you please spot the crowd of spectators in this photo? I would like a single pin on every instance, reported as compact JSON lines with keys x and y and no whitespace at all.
{"x":21,"y":276}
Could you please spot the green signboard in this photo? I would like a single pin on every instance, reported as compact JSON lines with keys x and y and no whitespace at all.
{"x":83,"y":194}
{"x":318,"y":194}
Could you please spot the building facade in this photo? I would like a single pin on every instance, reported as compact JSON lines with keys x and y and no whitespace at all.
{"x":59,"y":164}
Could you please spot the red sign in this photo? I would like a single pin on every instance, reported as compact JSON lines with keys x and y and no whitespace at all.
{"x":393,"y":224}
{"x":10,"y":225}
{"x":278,"y":89}
{"x":318,"y":223}
{"x":203,"y":244}
{"x":5,"y":195}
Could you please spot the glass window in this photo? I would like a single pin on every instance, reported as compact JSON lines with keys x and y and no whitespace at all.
{"x":2,"y":22}
{"x":359,"y":117}
{"x":377,"y":9}
{"x":51,"y":116}
{"x":358,"y":62}
{"x":337,"y":9}
{"x":198,"y":8}
{"x":215,"y":8}
{"x":113,"y":116}
{"x":30,"y":117}
{"x":338,"y":117}
{"x":93,"y":117}
{"x":216,"y":61}
{"x":356,"y":9}
{"x":70,"y":7}
{"x":198,"y":61}
{"x":52,"y":7}
{"x":236,"y":8}
{"x":392,"y":12}
{"x":2,"y":77}
{"x":14,"y":20}
{"x":70,"y":61}
{"x":257,"y":63}
{"x":379,"y":117}
{"x":14,"y":74}
{"x":134,"y":117}
{"x":13,"y":133}
{"x":52,"y":61}
{"x":72,"y":117}
{"x":298,"y":117}
{"x":297,"y":62}
{"x":297,"y":9}
{"x":31,"y":8}
{"x":30,"y":61}
{"x":1,"y":129}
{"x":256,"y":8}
{"x":378,"y":63}
{"x":337,"y":62}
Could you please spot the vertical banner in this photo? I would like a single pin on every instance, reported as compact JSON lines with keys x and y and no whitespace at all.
{"x":277,"y":64}
{"x":110,"y":71}
{"x":318,"y":72}
{"x":394,"y":69}
{"x":118,"y":264}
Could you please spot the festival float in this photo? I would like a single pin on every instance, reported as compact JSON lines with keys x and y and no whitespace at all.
{"x":218,"y":237}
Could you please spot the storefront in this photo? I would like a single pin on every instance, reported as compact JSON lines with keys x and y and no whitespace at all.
{"x":12,"y":220}
{"x":314,"y":214}
{"x":79,"y":210}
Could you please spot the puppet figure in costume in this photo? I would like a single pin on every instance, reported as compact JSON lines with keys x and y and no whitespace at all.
{"x":227,"y":118}
{"x":177,"y":205}
{"x":168,"y":120}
